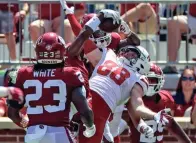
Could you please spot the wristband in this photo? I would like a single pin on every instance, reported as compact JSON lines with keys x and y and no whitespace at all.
{"x":93,"y":23}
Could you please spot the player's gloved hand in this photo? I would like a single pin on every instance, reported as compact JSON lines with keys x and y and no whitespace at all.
{"x":124,"y":28}
{"x":66,"y":8}
{"x":15,"y":94}
{"x":24,"y":122}
{"x":143,"y":128}
{"x":161,"y":116}
{"x":74,"y":128}
{"x":108,"y":13}
{"x":89,"y":131}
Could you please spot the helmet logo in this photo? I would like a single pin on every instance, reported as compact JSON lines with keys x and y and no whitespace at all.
{"x":61,"y":40}
{"x":48,"y":47}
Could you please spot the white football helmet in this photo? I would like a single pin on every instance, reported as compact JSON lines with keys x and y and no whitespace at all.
{"x":155,"y":79}
{"x":101,"y":38}
{"x":135,"y":57}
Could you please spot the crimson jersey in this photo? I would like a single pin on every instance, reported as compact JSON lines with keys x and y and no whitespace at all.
{"x":166,"y":101}
{"x":48,"y":93}
{"x":115,"y":41}
{"x":78,"y":63}
{"x":3,"y":106}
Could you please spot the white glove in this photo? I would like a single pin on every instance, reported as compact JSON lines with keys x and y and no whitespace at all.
{"x":89,"y":132}
{"x":124,"y":28}
{"x":161,"y":118}
{"x":66,"y":8}
{"x":143,"y":128}
{"x":108,"y":13}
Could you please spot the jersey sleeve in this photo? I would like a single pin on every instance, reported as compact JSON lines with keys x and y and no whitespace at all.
{"x":75,"y":25}
{"x":143,"y":82}
{"x":115,"y":41}
{"x":89,"y":46}
{"x":3,"y":107}
{"x":167,"y":98}
{"x":74,"y":77}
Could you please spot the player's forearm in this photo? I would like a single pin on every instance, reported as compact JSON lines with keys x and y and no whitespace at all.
{"x":132,"y":39}
{"x":141,"y":111}
{"x":175,"y":128}
{"x":14,"y":115}
{"x":145,"y":113}
{"x":87,"y":118}
{"x":80,"y":102}
{"x":77,"y":46}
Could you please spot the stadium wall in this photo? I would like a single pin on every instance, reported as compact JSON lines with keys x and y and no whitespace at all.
{"x":10,"y":133}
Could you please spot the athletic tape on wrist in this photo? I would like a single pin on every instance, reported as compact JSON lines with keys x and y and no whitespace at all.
{"x":93,"y":23}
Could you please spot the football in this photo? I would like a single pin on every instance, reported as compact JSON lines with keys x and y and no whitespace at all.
{"x":108,"y":26}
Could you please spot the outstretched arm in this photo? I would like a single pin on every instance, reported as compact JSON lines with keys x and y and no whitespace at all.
{"x":17,"y":118}
{"x":75,"y":25}
{"x":136,"y":104}
{"x":77,"y":46}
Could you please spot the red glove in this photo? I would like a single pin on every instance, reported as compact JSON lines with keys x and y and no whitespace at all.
{"x":16,"y":94}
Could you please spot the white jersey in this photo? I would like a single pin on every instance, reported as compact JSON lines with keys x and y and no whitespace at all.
{"x":113,"y":81}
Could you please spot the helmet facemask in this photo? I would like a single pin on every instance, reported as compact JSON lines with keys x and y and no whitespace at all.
{"x":134,"y":58}
{"x":101,"y":38}
{"x":156,"y":82}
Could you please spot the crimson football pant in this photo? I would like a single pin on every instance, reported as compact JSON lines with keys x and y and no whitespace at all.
{"x":101,"y":114}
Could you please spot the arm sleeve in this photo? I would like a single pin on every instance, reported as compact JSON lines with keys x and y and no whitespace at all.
{"x":89,"y":46}
{"x":75,"y":25}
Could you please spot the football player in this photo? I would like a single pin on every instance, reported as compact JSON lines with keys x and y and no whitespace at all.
{"x":116,"y":79}
{"x":48,"y":88}
{"x":156,"y":100}
{"x":99,"y":37}
{"x":9,"y":111}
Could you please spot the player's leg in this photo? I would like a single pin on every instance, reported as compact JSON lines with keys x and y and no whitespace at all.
{"x":7,"y":28}
{"x":107,"y":134}
{"x":38,"y":27}
{"x":176,"y":27}
{"x":150,"y":26}
{"x":101,"y":114}
{"x":68,"y":33}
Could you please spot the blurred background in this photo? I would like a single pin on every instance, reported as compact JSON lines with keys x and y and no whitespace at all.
{"x":167,"y":29}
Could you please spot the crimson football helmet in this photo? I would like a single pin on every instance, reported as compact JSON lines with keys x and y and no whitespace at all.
{"x":50,"y":48}
{"x":156,"y":80}
{"x":137,"y":58}
{"x":100,"y":38}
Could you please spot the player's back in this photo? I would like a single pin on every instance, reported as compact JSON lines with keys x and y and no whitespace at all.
{"x":112,"y":80}
{"x":48,"y":93}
